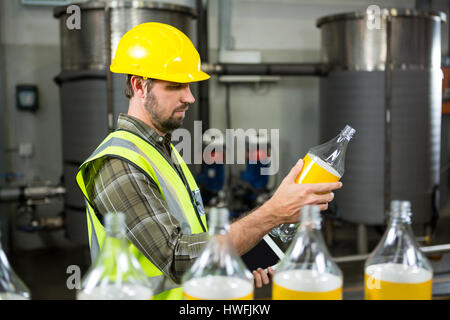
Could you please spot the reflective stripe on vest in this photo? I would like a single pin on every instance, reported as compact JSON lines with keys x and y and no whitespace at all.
{"x":184,"y":202}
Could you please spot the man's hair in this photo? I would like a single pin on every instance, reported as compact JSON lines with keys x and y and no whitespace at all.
{"x":129,"y":93}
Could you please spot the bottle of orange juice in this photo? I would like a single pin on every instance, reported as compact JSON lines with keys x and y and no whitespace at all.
{"x":322,"y":163}
{"x":397,"y":269}
{"x":218,"y":273}
{"x":307,"y":272}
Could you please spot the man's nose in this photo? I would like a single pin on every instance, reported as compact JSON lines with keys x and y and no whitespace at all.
{"x":187,"y":95}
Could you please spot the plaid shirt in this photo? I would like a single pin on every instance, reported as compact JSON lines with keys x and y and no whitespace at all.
{"x":120,"y":187}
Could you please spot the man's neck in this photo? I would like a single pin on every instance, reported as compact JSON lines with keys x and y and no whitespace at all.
{"x":139,"y":113}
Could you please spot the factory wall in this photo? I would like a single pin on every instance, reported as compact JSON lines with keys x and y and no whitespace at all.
{"x":32,"y":140}
{"x":30,"y":49}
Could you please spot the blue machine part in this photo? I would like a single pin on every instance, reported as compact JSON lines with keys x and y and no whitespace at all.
{"x":252,"y":175}
{"x":212,"y":177}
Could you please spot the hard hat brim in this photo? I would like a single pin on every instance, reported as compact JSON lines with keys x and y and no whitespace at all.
{"x":180,"y":78}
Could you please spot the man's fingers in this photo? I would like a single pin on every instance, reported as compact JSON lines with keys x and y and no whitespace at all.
{"x":323,"y":187}
{"x":257,"y":277}
{"x":323,"y":198}
{"x":292,"y":175}
{"x":264,"y":277}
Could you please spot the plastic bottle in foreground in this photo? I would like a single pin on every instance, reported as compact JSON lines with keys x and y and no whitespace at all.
{"x":397,"y":269}
{"x":307,"y":272}
{"x":11,"y":286}
{"x":218,"y":273}
{"x":115,"y":274}
{"x":323,"y":163}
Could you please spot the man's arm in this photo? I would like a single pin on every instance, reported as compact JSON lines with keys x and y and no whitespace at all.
{"x":120,"y":187}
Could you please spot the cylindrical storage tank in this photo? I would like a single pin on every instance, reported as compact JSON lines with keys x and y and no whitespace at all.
{"x":383,"y":78}
{"x":91,"y":96}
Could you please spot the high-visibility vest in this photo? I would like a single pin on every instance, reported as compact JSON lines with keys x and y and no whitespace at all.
{"x":184,"y":201}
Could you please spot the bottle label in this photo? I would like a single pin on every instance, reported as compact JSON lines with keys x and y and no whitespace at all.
{"x":316,"y":170}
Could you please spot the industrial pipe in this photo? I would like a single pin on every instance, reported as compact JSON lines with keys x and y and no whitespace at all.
{"x":265,"y":69}
{"x":203,"y":86}
{"x":428,"y":250}
{"x":30,"y":193}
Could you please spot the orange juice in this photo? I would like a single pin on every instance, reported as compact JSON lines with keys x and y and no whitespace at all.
{"x":218,"y":288}
{"x":306,"y":285}
{"x":392,"y":281}
{"x":315,"y":170}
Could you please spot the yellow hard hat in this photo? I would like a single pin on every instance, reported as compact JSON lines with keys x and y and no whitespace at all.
{"x":158,"y":51}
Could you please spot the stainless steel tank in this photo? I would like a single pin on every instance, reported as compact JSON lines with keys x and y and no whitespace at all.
{"x":91,"y":97}
{"x":384,"y":79}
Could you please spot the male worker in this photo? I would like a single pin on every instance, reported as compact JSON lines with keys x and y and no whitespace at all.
{"x":136,"y":170}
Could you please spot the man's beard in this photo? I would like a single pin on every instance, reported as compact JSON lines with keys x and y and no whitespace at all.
{"x":163,"y":125}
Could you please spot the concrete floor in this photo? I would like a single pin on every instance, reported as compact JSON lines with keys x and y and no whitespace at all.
{"x":45,"y":270}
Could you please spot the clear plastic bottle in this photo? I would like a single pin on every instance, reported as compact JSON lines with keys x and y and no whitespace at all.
{"x":11,"y":286}
{"x":322,"y":163}
{"x":397,"y":269}
{"x":307,"y":272}
{"x":218,"y":273}
{"x":115,"y":274}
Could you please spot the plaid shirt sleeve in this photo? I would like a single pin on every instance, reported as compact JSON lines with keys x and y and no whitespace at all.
{"x":120,"y":187}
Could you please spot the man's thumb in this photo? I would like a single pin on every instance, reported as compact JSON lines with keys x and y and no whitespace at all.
{"x":295,"y":171}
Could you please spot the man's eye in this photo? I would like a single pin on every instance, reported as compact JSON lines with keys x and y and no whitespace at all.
{"x":176,"y":86}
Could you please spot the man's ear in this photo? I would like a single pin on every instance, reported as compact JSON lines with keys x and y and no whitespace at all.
{"x":138,"y":85}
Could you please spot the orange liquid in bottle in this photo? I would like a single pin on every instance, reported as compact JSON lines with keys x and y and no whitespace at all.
{"x":394,"y":282}
{"x":306,"y":285}
{"x":315,"y":170}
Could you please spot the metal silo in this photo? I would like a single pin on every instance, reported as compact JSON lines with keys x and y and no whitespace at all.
{"x":383,"y":77}
{"x":91,"y":97}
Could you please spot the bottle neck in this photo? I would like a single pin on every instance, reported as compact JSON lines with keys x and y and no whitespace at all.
{"x":310,"y":220}
{"x":309,"y":249}
{"x":311,"y":231}
{"x":400,"y":226}
{"x":339,"y":152}
{"x":218,"y":223}
{"x":218,"y":229}
{"x":115,"y":229}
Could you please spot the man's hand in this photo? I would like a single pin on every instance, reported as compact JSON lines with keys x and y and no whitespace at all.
{"x":290,"y":196}
{"x":261,"y":277}
{"x":282,"y":207}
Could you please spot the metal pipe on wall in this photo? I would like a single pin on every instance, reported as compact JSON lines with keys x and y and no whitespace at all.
{"x":203,"y":86}
{"x":388,"y":123}
{"x":428,"y":250}
{"x":109,"y":81}
{"x":267,"y":69}
{"x":14,"y":194}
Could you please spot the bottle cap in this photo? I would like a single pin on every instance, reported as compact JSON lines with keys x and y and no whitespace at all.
{"x":401,"y":209}
{"x":348,"y":132}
